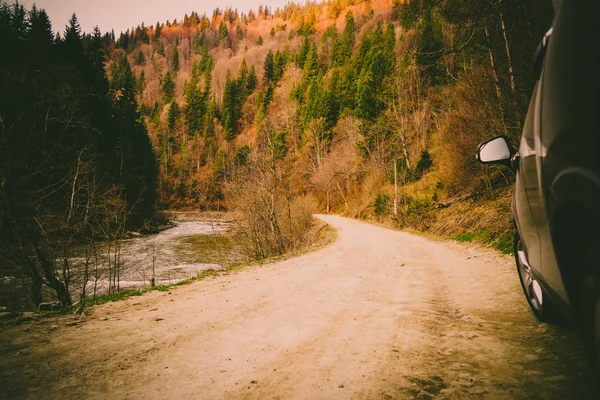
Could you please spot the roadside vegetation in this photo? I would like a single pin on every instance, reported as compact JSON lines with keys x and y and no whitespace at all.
{"x":370,"y":109}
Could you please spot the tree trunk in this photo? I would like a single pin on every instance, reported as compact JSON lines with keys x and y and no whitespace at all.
{"x":395,"y":187}
{"x":48,"y":267}
{"x":496,"y":80}
{"x":507,"y":48}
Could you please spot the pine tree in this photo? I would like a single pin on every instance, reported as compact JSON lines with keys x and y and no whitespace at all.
{"x":157,"y":31}
{"x":279,"y":61}
{"x":173,"y":116}
{"x":140,"y":58}
{"x":301,"y":58}
{"x":175,"y":60}
{"x":224,"y":34}
{"x":252,"y":80}
{"x":342,"y":51}
{"x":228,"y":109}
{"x":408,"y":13}
{"x":243,"y":77}
{"x":269,"y":68}
{"x":72,"y":42}
{"x":155,"y":114}
{"x":311,"y":66}
{"x":168,"y":87}
{"x":430,"y":47}
{"x":368,"y":106}
{"x":209,"y":127}
{"x":40,"y":34}
{"x":195,"y":110}
{"x":138,"y":165}
{"x":141,"y":83}
{"x":122,"y":86}
{"x":19,"y":25}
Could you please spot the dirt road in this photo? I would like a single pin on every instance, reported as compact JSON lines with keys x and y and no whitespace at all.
{"x":378,"y":314}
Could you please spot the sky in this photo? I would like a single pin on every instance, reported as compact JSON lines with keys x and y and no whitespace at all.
{"x":121,"y":15}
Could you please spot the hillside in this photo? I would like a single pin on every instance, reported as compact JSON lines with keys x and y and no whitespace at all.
{"x":335,"y":105}
{"x":370,"y":109}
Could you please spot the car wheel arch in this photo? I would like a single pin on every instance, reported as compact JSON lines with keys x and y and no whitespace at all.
{"x":574,"y":228}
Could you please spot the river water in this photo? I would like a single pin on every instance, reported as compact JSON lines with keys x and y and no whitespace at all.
{"x":184,"y":250}
{"x":175,"y":254}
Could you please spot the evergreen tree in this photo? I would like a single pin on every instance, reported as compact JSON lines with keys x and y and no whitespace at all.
{"x":175,"y":60}
{"x":243,"y":77}
{"x":209,"y":127}
{"x":408,"y":13}
{"x":269,"y":68}
{"x":168,"y":87}
{"x":173,"y":116}
{"x":122,"y":86}
{"x":368,"y":105}
{"x":40,"y":35}
{"x":140,"y":83}
{"x":430,"y":47}
{"x":229,"y":107}
{"x":157,"y":31}
{"x":279,"y":63}
{"x":160,"y":48}
{"x":138,"y":166}
{"x":140,"y":59}
{"x":224,"y":34}
{"x":19,"y":25}
{"x":155,"y":114}
{"x":195,"y":110}
{"x":72,"y":42}
{"x":311,"y":66}
{"x":342,"y":51}
{"x":301,"y":58}
{"x":252,"y":80}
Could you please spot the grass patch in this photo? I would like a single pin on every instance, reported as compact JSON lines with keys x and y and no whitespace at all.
{"x":464,"y":237}
{"x":208,"y":249}
{"x":502,"y":243}
{"x":505,"y":243}
{"x":205,"y":249}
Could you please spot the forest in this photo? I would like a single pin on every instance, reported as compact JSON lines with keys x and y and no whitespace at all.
{"x":367,"y":108}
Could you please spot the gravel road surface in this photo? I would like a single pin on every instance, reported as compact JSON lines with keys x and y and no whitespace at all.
{"x":378,"y":314}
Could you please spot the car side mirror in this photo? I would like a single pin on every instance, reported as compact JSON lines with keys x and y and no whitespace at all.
{"x":496,"y":151}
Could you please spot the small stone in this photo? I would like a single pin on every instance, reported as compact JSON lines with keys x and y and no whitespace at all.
{"x":5,"y":315}
{"x":254,"y":382}
{"x":341,"y":386}
{"x":48,"y":306}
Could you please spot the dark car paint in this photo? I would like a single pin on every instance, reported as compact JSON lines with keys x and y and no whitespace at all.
{"x":559,"y":157}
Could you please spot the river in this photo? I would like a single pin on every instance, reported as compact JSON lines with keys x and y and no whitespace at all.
{"x":184,"y":250}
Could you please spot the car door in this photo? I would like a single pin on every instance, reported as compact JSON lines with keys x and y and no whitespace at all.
{"x":526,"y":190}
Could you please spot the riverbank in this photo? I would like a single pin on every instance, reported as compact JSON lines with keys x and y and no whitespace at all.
{"x":202,"y":245}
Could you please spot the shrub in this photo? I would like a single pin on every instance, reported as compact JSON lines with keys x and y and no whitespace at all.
{"x":382,"y":204}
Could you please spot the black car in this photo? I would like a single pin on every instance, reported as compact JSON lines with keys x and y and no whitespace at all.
{"x":556,"y":203}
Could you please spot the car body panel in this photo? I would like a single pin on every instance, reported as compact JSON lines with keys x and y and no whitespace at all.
{"x":559,"y":149}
